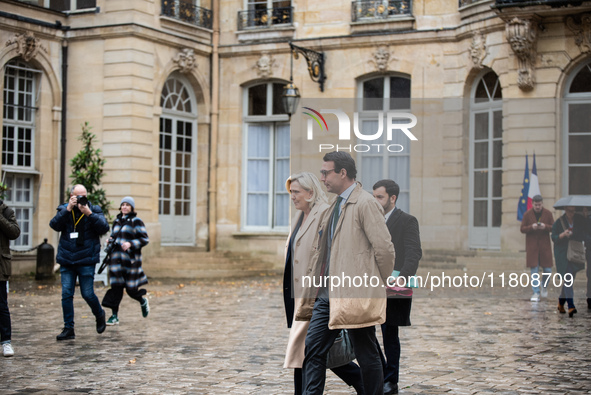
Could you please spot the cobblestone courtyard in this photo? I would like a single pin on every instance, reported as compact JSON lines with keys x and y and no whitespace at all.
{"x":229,"y":337}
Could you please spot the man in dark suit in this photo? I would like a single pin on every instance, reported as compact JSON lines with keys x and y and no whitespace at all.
{"x":404,"y":229}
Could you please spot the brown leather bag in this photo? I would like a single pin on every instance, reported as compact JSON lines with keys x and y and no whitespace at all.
{"x":575,"y":252}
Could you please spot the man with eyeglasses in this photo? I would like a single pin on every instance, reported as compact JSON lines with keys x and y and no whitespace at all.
{"x":352,"y":257}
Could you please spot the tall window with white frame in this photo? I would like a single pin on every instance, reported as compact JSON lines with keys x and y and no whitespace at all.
{"x":577,"y":136}
{"x":177,"y":162}
{"x":380,"y":95}
{"x":486,"y":162}
{"x":265,"y":201}
{"x":18,"y":148}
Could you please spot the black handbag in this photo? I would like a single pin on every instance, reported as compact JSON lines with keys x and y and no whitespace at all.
{"x":341,"y":352}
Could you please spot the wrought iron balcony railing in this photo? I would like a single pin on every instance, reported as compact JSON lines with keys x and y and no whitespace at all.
{"x":531,"y":3}
{"x":362,"y":10}
{"x":264,"y":18}
{"x":187,"y":12}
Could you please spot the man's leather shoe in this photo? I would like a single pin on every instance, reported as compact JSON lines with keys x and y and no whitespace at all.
{"x":101,"y":324}
{"x":67,"y":333}
{"x":390,"y":388}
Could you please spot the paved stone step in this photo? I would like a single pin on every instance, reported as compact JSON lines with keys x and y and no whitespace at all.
{"x":436,"y":264}
{"x":199,"y":273}
{"x":448,"y":253}
{"x":473,"y":260}
{"x":193,"y":263}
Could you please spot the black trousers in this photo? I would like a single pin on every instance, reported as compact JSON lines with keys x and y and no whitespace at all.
{"x":319,"y":340}
{"x":114,"y":295}
{"x":5,"y":327}
{"x":392,"y":351}
{"x":349,"y":373}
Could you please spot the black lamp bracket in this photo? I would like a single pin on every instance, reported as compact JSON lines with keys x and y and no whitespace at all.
{"x":315,"y":62}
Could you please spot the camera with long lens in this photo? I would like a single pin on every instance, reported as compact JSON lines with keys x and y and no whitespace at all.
{"x":82,"y":200}
{"x":110,"y":247}
{"x":108,"y":250}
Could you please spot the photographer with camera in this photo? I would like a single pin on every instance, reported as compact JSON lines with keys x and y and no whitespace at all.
{"x":81,"y":224}
{"x":124,"y":251}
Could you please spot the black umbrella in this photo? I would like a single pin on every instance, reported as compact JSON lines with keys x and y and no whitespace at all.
{"x":573,"y":200}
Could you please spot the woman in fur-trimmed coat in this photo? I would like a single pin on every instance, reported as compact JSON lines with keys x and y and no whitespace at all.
{"x":125,"y":267}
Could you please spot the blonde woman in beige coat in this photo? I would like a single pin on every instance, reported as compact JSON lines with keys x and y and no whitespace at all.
{"x":311,"y":204}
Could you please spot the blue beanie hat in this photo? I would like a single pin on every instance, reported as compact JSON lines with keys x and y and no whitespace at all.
{"x":129,"y":200}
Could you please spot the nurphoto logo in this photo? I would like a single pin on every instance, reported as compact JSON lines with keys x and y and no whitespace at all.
{"x":394,"y":122}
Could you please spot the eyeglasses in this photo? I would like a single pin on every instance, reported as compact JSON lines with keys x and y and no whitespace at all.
{"x":326,"y":172}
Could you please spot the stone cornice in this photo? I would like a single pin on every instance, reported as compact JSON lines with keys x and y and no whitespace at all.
{"x":135,"y":30}
{"x":344,"y":42}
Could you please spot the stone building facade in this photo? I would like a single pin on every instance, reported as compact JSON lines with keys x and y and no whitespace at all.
{"x":184,"y":97}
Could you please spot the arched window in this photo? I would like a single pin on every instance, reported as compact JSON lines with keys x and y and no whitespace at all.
{"x":265,"y":202}
{"x":18,"y":144}
{"x":177,"y":165}
{"x":486,"y":162}
{"x":577,"y":133}
{"x":382,"y":94}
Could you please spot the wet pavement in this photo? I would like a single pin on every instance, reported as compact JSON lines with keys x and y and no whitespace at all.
{"x":229,"y":337}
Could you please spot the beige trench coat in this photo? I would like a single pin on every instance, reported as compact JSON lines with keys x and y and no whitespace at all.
{"x":294,"y":355}
{"x":361,"y":250}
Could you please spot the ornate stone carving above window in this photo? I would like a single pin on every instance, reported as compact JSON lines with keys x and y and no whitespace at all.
{"x":478,"y":50}
{"x":581,"y":26}
{"x":185,"y":60}
{"x":381,"y":58}
{"x":264,"y":66}
{"x":522,"y":34}
{"x":27,"y":45}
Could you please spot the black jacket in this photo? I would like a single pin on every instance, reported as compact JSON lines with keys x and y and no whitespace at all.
{"x":84,"y":250}
{"x":9,"y":230}
{"x":404,"y":229}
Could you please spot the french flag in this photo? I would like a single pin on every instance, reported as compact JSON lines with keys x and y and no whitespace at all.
{"x":534,"y":185}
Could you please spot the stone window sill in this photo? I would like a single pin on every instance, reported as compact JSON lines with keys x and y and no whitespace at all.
{"x":395,"y":23}
{"x":266,"y":34}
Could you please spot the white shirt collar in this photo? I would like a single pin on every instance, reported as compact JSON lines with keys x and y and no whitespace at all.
{"x":387,"y":216}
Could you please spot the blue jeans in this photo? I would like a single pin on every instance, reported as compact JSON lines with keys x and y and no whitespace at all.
{"x":568,"y":293}
{"x":85,"y":276}
{"x":541,"y":279}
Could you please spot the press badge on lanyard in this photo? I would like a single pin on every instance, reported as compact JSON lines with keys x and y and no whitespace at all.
{"x":74,"y":234}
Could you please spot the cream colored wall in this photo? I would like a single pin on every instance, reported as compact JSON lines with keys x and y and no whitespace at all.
{"x":48,"y":117}
{"x":116,"y":75}
{"x":440,"y":66}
